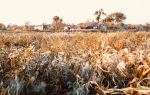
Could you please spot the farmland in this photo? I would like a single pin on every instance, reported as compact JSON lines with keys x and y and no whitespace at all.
{"x":75,"y":63}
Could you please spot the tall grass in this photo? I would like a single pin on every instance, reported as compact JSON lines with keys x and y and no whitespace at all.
{"x":75,"y":63}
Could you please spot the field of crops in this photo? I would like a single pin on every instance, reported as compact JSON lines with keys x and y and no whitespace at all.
{"x":76,"y":63}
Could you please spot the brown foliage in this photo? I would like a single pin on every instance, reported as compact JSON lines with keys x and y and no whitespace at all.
{"x":2,"y":26}
{"x":75,"y":63}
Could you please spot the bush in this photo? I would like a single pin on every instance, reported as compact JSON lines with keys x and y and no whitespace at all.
{"x":2,"y":26}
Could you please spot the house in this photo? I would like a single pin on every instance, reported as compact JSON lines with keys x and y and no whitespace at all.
{"x":123,"y":27}
{"x":38,"y":27}
{"x":42,"y":27}
{"x":89,"y":25}
{"x":140,"y":27}
{"x":102,"y":27}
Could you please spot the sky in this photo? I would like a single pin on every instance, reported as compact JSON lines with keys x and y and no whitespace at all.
{"x":71,"y":11}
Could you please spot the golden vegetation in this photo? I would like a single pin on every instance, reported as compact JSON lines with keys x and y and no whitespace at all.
{"x":75,"y":63}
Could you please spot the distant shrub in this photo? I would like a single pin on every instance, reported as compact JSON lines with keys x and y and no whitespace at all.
{"x":57,"y":24}
{"x":2,"y":26}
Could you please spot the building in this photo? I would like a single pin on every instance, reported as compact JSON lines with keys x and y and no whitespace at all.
{"x":42,"y":27}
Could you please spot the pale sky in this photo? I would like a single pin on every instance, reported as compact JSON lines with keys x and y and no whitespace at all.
{"x":71,"y":11}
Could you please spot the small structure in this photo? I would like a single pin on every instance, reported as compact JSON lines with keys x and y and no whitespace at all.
{"x":38,"y":27}
{"x":123,"y":27}
{"x":67,"y":28}
{"x":102,"y":27}
{"x":89,"y":25}
{"x":42,"y":27}
{"x":140,"y":27}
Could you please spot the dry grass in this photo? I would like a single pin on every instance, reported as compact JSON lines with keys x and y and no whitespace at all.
{"x":75,"y":63}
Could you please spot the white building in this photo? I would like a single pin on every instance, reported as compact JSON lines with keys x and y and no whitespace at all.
{"x":42,"y":27}
{"x":38,"y":27}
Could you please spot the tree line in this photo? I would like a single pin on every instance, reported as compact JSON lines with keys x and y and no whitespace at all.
{"x":111,"y":21}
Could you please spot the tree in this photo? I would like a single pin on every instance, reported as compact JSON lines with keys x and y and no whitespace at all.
{"x":13,"y":28}
{"x":147,"y":26}
{"x":26,"y":26}
{"x":116,"y":17}
{"x":2,"y":26}
{"x":98,"y":14}
{"x":45,"y":27}
{"x":57,"y":24}
{"x":56,"y":18}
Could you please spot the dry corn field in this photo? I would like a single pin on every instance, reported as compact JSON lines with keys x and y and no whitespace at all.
{"x":75,"y":63}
